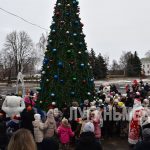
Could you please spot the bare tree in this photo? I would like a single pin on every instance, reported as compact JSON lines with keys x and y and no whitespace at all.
{"x":106,"y":58}
{"x":7,"y":61}
{"x":147,"y":54}
{"x":123,"y":60}
{"x":115,"y":66}
{"x":20,"y":47}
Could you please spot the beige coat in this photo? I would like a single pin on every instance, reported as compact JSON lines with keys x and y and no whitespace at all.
{"x":49,"y":127}
{"x":38,"y":131}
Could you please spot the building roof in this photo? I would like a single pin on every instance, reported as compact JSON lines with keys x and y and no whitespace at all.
{"x":145,"y":60}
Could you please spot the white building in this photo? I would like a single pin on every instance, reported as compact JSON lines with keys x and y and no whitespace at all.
{"x":146,"y":66}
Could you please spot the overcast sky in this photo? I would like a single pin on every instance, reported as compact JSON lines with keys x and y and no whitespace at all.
{"x":111,"y":26}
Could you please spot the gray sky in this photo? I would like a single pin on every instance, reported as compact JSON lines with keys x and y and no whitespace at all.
{"x":111,"y":26}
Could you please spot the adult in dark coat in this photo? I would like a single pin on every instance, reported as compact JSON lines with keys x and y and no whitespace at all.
{"x":3,"y":136}
{"x":87,"y":139}
{"x":145,"y":144}
{"x":27,"y":116}
{"x":50,"y":143}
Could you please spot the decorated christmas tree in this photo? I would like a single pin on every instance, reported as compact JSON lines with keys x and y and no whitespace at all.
{"x":66,"y":72}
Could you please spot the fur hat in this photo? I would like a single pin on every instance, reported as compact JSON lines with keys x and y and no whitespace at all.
{"x":37,"y":117}
{"x":92,"y":108}
{"x":146,"y":101}
{"x":93,"y":103}
{"x":50,"y":113}
{"x":88,"y":127}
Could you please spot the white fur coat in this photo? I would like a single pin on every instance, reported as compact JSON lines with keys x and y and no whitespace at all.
{"x":13,"y":105}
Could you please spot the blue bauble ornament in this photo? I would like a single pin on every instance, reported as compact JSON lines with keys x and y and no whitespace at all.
{"x":77,"y":1}
{"x":82,"y":65}
{"x":74,"y":2}
{"x":50,"y":41}
{"x":62,"y":81}
{"x":60,"y":64}
{"x":76,"y":22}
{"x":45,"y":61}
{"x":54,"y":49}
{"x":52,"y":95}
{"x":67,"y":14}
{"x":55,"y":77}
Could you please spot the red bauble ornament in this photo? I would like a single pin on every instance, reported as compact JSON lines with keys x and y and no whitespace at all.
{"x":84,"y":81}
{"x":72,"y":63}
{"x":29,"y":108}
{"x":57,"y":13}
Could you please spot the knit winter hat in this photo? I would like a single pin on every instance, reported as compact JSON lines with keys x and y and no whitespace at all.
{"x":37,"y":117}
{"x":92,"y":108}
{"x":146,"y":101}
{"x":88,"y":127}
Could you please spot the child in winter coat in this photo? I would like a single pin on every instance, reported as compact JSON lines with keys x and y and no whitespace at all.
{"x":65,"y":133}
{"x":50,"y":125}
{"x":95,"y":118}
{"x":38,"y":130}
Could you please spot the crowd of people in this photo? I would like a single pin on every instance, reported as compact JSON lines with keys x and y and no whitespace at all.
{"x":79,"y":126}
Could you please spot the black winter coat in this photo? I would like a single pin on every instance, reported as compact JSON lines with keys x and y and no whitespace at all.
{"x":144,"y":145}
{"x":26,"y":119}
{"x":3,"y":136}
{"x":88,"y":141}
